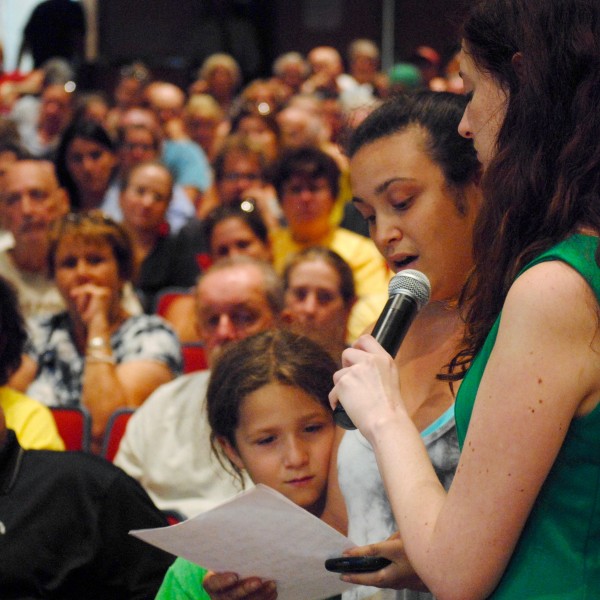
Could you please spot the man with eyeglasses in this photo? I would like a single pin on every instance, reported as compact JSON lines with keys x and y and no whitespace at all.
{"x":307,"y":184}
{"x":240,"y":175}
{"x":166,"y":446}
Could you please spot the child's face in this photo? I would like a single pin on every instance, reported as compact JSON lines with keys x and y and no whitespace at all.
{"x":284,"y":440}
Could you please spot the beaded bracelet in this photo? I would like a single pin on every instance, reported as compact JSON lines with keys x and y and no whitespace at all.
{"x":99,"y":357}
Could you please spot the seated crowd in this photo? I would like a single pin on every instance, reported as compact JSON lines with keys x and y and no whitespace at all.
{"x":137,"y":232}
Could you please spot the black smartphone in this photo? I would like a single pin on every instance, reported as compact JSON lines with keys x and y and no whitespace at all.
{"x":356,"y":564}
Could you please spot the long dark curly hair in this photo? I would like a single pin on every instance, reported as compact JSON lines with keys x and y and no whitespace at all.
{"x":544,"y":181}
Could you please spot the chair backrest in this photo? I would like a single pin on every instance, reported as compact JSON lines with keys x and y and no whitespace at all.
{"x":114,"y":431}
{"x":74,"y":424}
{"x":165,"y":297}
{"x":194,"y":357}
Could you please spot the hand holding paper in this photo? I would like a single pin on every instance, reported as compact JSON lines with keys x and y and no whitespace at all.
{"x":260,"y":533}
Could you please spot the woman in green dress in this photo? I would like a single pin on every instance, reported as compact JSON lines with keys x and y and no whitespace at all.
{"x":522,"y":516}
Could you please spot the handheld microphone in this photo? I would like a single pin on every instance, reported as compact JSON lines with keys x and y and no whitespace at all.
{"x":409,"y":292}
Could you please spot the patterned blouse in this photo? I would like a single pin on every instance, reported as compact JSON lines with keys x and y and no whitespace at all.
{"x":59,"y":375}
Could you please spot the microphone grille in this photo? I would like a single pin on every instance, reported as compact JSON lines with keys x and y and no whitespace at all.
{"x":413,"y":283}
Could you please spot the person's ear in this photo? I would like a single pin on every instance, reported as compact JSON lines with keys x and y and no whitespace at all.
{"x":230,"y":452}
{"x":62,"y":201}
{"x":517,"y":64}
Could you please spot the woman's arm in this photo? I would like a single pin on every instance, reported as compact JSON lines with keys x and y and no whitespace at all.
{"x":107,"y":387}
{"x":334,"y":513}
{"x":544,"y":370}
{"x":21,"y":379}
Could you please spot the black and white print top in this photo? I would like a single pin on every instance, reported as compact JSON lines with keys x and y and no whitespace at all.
{"x":59,"y":377}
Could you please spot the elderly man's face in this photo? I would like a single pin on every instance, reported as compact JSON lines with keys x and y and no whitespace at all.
{"x":232,"y":305}
{"x":31,"y":201}
{"x":56,"y":108}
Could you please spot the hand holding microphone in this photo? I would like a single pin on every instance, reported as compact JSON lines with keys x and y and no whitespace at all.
{"x":409,"y":291}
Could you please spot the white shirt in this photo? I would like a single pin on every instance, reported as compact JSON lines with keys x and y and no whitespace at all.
{"x":166,"y":447}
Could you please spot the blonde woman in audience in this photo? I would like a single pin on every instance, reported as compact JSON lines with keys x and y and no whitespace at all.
{"x":205,"y":122}
{"x":95,"y":353}
{"x":220,"y":76}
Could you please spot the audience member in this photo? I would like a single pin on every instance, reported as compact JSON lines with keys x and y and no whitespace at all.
{"x":307,"y":183}
{"x":31,"y":421}
{"x":42,"y":125}
{"x":166,"y":446}
{"x":259,"y":129}
{"x":92,"y":106}
{"x":272,"y":387}
{"x":229,"y":230}
{"x":264,"y":96}
{"x":204,"y":122}
{"x":95,"y":353}
{"x":319,"y":296}
{"x":128,"y":92}
{"x":31,"y":201}
{"x":167,"y":100}
{"x":66,"y":518}
{"x":86,"y":162}
{"x":220,"y":76}
{"x":364,"y":64}
{"x":241,"y":174}
{"x":291,"y":69}
{"x":304,"y":124}
{"x":428,"y":61}
{"x":137,"y":144}
{"x":404,"y":77}
{"x":328,"y":77}
{"x":185,"y":158}
{"x":146,"y":191}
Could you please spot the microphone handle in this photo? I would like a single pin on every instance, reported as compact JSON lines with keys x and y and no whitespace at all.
{"x":392,"y":326}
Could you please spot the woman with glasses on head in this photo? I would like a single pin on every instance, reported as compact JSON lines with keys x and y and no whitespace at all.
{"x":96,"y":354}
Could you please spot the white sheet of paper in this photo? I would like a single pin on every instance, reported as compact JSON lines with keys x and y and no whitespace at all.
{"x":260,"y":533}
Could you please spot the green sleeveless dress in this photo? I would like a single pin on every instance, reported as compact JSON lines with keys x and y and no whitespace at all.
{"x":558,"y":553}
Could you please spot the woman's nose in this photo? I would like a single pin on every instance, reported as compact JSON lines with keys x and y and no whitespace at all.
{"x":309,"y":304}
{"x":384,"y":233}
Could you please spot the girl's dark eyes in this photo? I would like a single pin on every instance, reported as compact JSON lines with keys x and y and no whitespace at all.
{"x":265,"y":441}
{"x":313,"y":428}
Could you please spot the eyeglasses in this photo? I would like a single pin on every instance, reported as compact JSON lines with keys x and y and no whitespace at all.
{"x":313,"y":188}
{"x":138,"y":146}
{"x":234,"y":177}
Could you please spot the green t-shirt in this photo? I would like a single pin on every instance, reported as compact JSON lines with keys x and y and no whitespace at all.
{"x":558,"y":553}
{"x":183,"y":581}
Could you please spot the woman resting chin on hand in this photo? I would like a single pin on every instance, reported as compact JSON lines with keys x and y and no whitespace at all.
{"x":95,"y":354}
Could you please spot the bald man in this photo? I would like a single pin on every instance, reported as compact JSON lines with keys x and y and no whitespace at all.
{"x":31,"y":200}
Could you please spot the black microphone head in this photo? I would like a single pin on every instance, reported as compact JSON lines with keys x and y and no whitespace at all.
{"x":413,"y":283}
